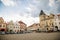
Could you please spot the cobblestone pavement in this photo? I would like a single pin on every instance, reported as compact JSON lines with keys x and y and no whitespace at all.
{"x":31,"y":36}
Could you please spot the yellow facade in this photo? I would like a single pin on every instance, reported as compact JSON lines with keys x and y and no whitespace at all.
{"x":46,"y":21}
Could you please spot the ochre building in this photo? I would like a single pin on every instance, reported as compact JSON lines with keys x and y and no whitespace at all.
{"x":46,"y":21}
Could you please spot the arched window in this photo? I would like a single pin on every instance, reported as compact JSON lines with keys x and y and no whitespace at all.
{"x":0,"y":25}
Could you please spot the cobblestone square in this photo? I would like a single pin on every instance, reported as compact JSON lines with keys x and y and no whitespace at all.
{"x":31,"y":36}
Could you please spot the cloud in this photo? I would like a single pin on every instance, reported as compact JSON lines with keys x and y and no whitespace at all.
{"x":31,"y":8}
{"x":27,"y":10}
{"x":30,"y":20}
{"x":54,"y":6}
{"x":27,"y":18}
{"x":51,"y":3}
{"x":8,"y":2}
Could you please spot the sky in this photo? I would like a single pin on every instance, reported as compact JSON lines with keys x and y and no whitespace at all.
{"x":27,"y":10}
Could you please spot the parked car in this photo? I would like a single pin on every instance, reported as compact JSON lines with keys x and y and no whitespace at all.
{"x":7,"y":32}
{"x":2,"y":32}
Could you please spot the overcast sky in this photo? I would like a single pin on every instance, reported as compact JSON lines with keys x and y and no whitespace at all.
{"x":27,"y":10}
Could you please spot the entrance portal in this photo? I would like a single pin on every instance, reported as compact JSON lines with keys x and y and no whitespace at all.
{"x":2,"y":29}
{"x":56,"y":27}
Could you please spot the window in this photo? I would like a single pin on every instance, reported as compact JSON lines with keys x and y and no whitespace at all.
{"x":50,"y":20}
{"x":3,"y":25}
{"x":48,"y":16}
{"x":15,"y":30}
{"x":55,"y":23}
{"x":59,"y":17}
{"x":50,"y":23}
{"x":0,"y":25}
{"x":10,"y":26}
{"x":16,"y":27}
{"x":59,"y":22}
{"x":18,"y":30}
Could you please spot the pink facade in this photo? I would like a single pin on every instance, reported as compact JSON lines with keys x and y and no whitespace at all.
{"x":22,"y":25}
{"x":2,"y":25}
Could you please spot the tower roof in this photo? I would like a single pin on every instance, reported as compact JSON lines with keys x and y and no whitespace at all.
{"x":1,"y":20}
{"x":42,"y":13}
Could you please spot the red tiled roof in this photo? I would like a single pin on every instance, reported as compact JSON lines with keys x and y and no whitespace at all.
{"x":58,"y":15}
{"x":34,"y":24}
{"x":21,"y":22}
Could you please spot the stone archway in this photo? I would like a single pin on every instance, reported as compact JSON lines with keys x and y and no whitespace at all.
{"x":56,"y":28}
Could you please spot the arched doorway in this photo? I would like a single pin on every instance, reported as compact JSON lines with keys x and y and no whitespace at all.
{"x":56,"y":27}
{"x":10,"y":31}
{"x":2,"y":29}
{"x":47,"y":28}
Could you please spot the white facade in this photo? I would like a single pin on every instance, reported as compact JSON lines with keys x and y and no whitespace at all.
{"x":13,"y":27}
{"x":57,"y":21}
{"x":16,"y":27}
{"x":10,"y":26}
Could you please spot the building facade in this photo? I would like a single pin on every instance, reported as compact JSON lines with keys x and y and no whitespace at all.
{"x":46,"y":21}
{"x":23,"y":26}
{"x":16,"y":27}
{"x":33,"y":27}
{"x":13,"y":27}
{"x":10,"y":27}
{"x":57,"y":22}
{"x":2,"y":25}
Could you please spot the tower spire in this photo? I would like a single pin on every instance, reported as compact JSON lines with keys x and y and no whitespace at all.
{"x":42,"y":13}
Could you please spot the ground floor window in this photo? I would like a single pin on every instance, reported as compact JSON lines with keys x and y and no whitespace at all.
{"x":10,"y":30}
{"x":47,"y":28}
